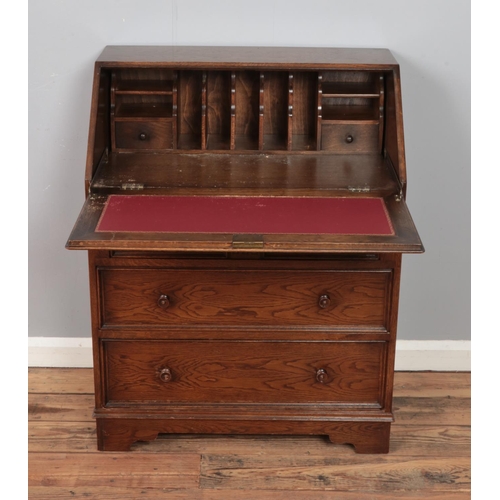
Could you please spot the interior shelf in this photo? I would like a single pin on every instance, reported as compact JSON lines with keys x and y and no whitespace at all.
{"x":350,"y":89}
{"x":144,"y":87}
{"x":335,"y":113}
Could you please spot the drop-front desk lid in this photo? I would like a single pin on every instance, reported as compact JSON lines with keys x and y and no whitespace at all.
{"x":337,"y":223}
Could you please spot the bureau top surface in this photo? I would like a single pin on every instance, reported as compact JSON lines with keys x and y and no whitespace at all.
{"x":290,"y":57}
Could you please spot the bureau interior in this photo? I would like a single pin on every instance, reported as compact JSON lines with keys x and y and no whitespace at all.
{"x":246,"y":110}
{"x":157,"y":111}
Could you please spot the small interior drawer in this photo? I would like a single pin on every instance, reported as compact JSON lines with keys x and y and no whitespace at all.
{"x":159,"y":371}
{"x":349,"y":138}
{"x":141,"y":134}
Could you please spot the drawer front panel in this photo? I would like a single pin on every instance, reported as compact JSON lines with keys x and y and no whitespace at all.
{"x":144,"y":134}
{"x":158,"y":372}
{"x":162,"y":298}
{"x":349,"y":138}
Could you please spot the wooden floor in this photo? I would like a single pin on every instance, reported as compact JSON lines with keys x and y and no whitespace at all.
{"x":429,"y":456}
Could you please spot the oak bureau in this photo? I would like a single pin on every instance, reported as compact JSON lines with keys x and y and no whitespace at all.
{"x":245,"y":219}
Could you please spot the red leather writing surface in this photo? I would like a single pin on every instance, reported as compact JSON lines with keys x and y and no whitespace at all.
{"x":258,"y":215}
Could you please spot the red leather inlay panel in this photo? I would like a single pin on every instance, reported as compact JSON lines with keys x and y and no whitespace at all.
{"x":258,"y":215}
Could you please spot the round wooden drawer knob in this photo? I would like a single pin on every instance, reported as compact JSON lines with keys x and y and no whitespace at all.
{"x":142,"y":136}
{"x":324,"y":301}
{"x":349,"y":139}
{"x":165,"y":375}
{"x":163,"y":301}
{"x":321,"y":376}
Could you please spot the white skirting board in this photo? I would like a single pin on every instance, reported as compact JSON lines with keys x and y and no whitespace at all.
{"x":411,"y":355}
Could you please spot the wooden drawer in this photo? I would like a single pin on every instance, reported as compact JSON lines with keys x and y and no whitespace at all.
{"x":144,"y":134}
{"x":349,"y":138}
{"x":158,"y":371}
{"x":145,"y":298}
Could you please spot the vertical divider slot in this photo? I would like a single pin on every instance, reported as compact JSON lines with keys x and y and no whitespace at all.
{"x":204,"y":110}
{"x":189,"y":116}
{"x":246,"y":110}
{"x":219,"y":110}
{"x":275,"y":110}
{"x":261,"y":110}
{"x":112,"y":109}
{"x":304,"y":122}
{"x":381,"y":113}
{"x":319,"y":110}
{"x":289,"y":138}
{"x":174,"y":108}
{"x":232,"y":141}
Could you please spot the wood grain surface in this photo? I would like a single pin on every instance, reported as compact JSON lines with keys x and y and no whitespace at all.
{"x":245,"y":372}
{"x":244,"y":297}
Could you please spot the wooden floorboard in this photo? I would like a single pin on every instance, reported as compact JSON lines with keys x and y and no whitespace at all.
{"x":425,"y":440}
{"x":352,"y":473}
{"x":113,"y":493}
{"x":429,"y":456}
{"x":123,"y":470}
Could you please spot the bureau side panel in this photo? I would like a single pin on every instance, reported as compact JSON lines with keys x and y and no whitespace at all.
{"x":99,"y":128}
{"x":95,"y":315}
{"x":393,"y":307}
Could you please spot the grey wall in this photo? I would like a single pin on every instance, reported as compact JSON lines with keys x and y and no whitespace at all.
{"x":430,"y":39}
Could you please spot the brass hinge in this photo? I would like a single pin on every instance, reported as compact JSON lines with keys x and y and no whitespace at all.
{"x":132,"y":186}
{"x":400,"y":195}
{"x":247,"y":241}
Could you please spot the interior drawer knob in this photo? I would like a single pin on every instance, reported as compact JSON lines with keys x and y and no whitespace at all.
{"x":324,"y":301}
{"x":165,"y":375}
{"x":321,"y":376}
{"x":142,"y":136}
{"x":163,"y":301}
{"x":349,"y":139}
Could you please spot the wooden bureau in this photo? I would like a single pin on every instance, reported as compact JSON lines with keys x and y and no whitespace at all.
{"x":245,"y":219}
